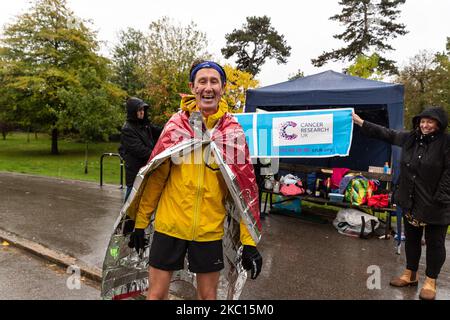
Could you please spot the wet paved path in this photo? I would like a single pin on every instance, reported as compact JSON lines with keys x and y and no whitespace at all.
{"x":24,"y":276}
{"x":302,"y":260}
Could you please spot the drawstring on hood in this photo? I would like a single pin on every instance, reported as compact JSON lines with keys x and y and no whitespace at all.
{"x":189,"y":104}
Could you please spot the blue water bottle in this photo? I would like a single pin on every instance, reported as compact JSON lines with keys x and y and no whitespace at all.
{"x":386,"y":169}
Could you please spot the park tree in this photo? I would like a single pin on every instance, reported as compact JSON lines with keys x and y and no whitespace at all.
{"x":426,"y":79}
{"x":96,"y":104}
{"x":256,"y":42}
{"x":441,"y":78}
{"x":7,"y":122}
{"x":17,"y":103}
{"x":171,"y":50}
{"x":128,"y":56}
{"x":299,"y":74}
{"x":5,"y":104}
{"x":366,"y":67}
{"x":417,"y":77}
{"x":44,"y":51}
{"x":238,"y":82}
{"x":370,"y":24}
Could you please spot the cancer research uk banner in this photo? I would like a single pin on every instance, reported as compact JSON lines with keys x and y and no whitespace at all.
{"x":299,"y":134}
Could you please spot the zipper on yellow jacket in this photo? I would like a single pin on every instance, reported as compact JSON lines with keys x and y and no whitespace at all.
{"x":199,"y":196}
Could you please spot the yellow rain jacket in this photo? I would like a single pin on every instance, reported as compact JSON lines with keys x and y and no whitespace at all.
{"x":189,"y":198}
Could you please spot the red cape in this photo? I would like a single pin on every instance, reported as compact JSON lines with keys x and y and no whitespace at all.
{"x":227,"y":133}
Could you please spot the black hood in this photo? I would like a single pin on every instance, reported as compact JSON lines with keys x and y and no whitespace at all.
{"x":133,"y":104}
{"x":437,"y":113}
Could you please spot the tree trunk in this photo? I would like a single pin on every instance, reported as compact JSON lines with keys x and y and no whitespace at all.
{"x":86,"y":159}
{"x":35,"y":135}
{"x":5,"y":128}
{"x":55,"y":141}
{"x":28,"y":134}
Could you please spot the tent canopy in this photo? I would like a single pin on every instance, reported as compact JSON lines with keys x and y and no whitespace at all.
{"x":375,"y":101}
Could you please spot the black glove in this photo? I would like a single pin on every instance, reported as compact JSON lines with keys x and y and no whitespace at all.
{"x":137,"y":240}
{"x":252,"y":260}
{"x":128,"y":226}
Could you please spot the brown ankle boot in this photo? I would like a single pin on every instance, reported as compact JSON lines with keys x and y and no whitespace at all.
{"x":408,"y":278}
{"x":428,"y":291}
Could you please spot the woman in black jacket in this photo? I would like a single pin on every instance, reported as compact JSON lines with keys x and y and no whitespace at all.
{"x":423,"y":191}
{"x":137,"y":139}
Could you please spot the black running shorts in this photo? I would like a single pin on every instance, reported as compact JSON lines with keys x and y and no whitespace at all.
{"x":167,"y":253}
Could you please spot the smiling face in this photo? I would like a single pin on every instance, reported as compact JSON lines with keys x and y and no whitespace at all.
{"x":208,"y":90}
{"x":428,"y":125}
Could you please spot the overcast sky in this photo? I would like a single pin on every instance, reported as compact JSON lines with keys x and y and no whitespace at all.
{"x":304,"y":23}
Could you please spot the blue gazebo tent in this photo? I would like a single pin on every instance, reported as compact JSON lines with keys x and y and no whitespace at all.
{"x":375,"y":101}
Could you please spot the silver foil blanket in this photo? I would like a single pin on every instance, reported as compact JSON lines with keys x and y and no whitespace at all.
{"x":125,"y":273}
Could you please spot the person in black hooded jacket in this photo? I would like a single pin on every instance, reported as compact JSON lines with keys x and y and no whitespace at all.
{"x":423,"y":192}
{"x":137,"y":139}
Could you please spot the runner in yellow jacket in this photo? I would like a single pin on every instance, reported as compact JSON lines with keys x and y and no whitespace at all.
{"x":195,"y":192}
{"x":188,"y":199}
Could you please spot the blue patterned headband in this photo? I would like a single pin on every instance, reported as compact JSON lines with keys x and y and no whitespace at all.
{"x":212,"y":65}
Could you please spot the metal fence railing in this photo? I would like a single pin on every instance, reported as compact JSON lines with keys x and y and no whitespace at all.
{"x":121,"y":167}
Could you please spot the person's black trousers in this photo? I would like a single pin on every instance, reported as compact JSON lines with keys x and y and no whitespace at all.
{"x":435,"y":247}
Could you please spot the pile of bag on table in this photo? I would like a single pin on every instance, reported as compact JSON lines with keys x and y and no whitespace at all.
{"x":291,"y":185}
{"x":358,"y":190}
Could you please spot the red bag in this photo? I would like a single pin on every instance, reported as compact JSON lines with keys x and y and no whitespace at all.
{"x":378,"y":201}
{"x":291,"y":190}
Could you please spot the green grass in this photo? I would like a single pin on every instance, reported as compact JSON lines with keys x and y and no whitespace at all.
{"x":34,"y":157}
